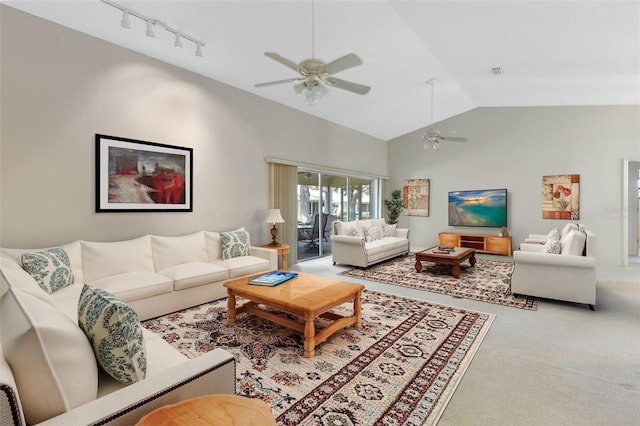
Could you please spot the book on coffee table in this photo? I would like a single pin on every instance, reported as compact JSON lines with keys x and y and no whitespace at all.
{"x":273,"y":278}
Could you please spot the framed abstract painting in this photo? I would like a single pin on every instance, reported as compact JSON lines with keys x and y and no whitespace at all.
{"x":139,"y":176}
{"x":561,"y":197}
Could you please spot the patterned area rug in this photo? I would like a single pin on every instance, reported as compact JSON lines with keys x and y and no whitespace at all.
{"x":488,"y":280}
{"x":401,"y":367}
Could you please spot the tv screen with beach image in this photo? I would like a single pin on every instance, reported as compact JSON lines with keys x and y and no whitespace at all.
{"x":484,"y":208}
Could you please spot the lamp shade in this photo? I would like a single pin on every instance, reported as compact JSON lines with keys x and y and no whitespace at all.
{"x":274,"y":216}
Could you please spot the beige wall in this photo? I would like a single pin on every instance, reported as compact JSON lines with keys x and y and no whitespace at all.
{"x":59,"y":87}
{"x":513,"y":148}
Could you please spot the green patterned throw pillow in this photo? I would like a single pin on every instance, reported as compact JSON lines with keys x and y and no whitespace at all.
{"x":234,"y":244}
{"x":50,"y":268}
{"x":115,"y":333}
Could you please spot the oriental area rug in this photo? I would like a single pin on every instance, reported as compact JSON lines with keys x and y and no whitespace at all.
{"x":401,"y":367}
{"x":487,"y":281}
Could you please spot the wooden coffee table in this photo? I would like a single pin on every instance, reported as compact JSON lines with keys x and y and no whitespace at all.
{"x":307,"y":297}
{"x":219,"y":410}
{"x":455,"y":258}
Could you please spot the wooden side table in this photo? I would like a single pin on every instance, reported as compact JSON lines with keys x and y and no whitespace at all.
{"x":283,"y":250}
{"x":219,"y":410}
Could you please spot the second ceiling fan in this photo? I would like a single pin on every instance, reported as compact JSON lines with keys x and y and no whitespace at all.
{"x":315,"y":75}
{"x":433,"y":137}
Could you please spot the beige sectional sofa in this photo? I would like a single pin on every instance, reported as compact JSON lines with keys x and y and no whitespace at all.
{"x":48,"y":371}
{"x":365,"y":242}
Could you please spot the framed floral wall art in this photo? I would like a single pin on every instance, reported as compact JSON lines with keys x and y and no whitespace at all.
{"x":139,"y":176}
{"x":415,"y":196}
{"x":561,"y":197}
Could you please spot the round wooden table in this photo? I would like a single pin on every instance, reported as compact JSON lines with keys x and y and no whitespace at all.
{"x":283,"y":250}
{"x":218,"y":410}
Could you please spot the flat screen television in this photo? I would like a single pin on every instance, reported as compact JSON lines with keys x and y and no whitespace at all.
{"x":484,"y":208}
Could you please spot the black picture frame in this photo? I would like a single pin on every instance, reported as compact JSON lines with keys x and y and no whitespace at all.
{"x":134,"y":176}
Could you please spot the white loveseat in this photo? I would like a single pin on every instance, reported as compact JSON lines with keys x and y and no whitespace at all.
{"x":365,"y":242}
{"x":569,"y":275}
{"x":48,"y":371}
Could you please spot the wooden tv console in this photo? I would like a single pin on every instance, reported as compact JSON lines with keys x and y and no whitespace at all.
{"x":494,"y":244}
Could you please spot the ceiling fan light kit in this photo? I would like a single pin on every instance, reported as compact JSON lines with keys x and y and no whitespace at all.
{"x":433,"y":137}
{"x":315,"y":75}
{"x":150,"y":23}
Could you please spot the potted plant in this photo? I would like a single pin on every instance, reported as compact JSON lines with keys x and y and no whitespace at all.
{"x":394,"y":206}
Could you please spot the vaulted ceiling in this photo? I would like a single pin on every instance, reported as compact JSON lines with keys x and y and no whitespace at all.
{"x":551,"y":52}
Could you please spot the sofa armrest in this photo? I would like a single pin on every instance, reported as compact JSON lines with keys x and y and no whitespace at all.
{"x":535,"y":240}
{"x":557,"y":260}
{"x":265,"y":253}
{"x":531,"y":247}
{"x":211,"y":373}
{"x":402,"y":233}
{"x":347,"y":239}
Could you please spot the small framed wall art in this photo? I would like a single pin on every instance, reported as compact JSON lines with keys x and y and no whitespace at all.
{"x":415,"y":196}
{"x":140,"y":176}
{"x":561,"y":197}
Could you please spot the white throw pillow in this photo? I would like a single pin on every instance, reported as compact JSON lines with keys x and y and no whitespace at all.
{"x":389,"y":230}
{"x":171,"y":251}
{"x":102,"y":259}
{"x":115,"y":333}
{"x":234,"y":244}
{"x":52,"y":362}
{"x":573,"y":244}
{"x":554,"y":234}
{"x":552,"y":246}
{"x":50,"y":268}
{"x":373,"y":233}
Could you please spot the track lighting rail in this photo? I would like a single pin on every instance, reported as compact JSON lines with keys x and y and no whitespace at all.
{"x":150,"y":23}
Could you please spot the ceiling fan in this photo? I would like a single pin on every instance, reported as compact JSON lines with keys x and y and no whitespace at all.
{"x":433,"y":137}
{"x":315,"y":75}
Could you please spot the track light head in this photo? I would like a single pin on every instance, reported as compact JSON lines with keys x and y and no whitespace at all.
{"x":199,"y":50}
{"x":125,"y":19}
{"x":150,"y":32}
{"x":178,"y":42}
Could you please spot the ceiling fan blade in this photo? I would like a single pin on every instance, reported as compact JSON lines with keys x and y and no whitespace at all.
{"x":348,"y":61}
{"x":453,"y":139}
{"x":273,"y":83}
{"x":348,"y":85}
{"x":284,"y":61}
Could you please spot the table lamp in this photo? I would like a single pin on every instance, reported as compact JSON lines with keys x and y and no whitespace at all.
{"x":274,"y":217}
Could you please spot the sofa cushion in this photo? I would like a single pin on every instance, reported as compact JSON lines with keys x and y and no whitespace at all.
{"x":245,"y":265}
{"x":234,"y":244}
{"x":194,"y":274}
{"x":101,"y":259}
{"x":114,"y":331}
{"x":573,"y":243}
{"x":170,"y":251}
{"x":568,"y":228}
{"x":135,"y":285}
{"x":554,"y":234}
{"x":50,"y":268}
{"x":51,"y":359}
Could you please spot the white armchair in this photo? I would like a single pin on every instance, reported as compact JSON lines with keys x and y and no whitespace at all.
{"x":568,"y":276}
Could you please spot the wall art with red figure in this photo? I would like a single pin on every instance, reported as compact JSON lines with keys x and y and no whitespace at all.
{"x":139,"y":176}
{"x":561,"y":197}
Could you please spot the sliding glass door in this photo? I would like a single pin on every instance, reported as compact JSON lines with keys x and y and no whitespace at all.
{"x":324,"y":198}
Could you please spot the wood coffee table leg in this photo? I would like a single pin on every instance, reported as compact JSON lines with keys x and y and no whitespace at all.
{"x":309,"y":336}
{"x":231,"y":307}
{"x":455,"y":270}
{"x":357,"y":309}
{"x":472,"y":260}
{"x":418,"y":266}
